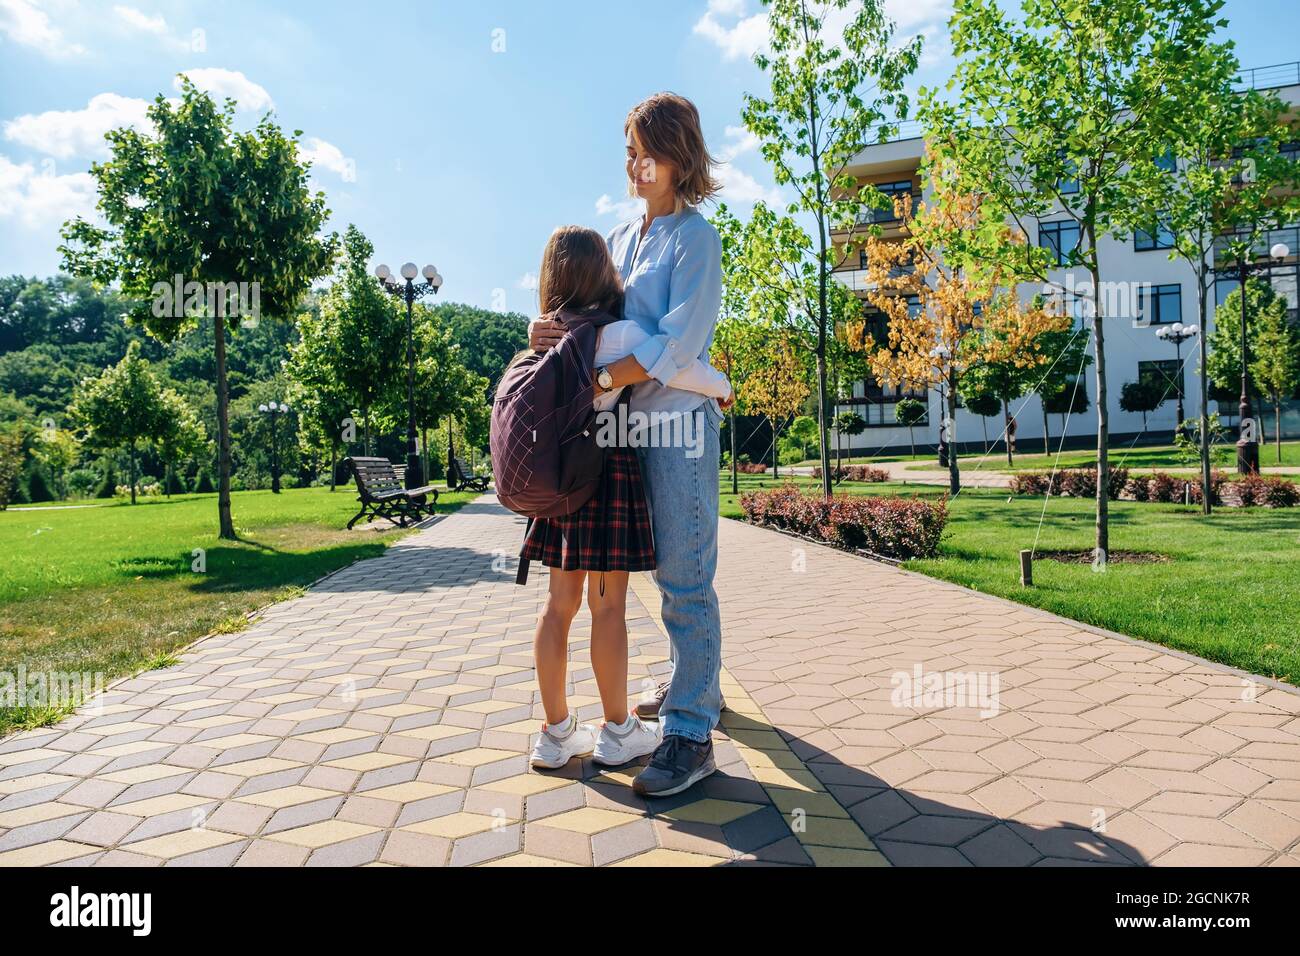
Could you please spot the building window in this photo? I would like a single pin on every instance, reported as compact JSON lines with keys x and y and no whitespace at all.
{"x":1166,"y":373}
{"x":1062,"y":237}
{"x":862,"y":258}
{"x":1162,"y":238}
{"x":1068,"y":183}
{"x":1160,"y":304}
{"x":893,"y":191}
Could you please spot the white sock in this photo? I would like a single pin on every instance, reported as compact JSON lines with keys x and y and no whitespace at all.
{"x":625,"y":725}
{"x":562,"y":729}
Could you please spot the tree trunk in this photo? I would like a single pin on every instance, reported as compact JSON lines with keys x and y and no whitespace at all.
{"x":334,"y":467}
{"x":133,"y":472}
{"x":735,"y":481}
{"x":1201,"y":300}
{"x":776,"y":458}
{"x":1006,"y":429}
{"x":1277,"y":428}
{"x":984,"y":423}
{"x":911,"y":440}
{"x":954,"y":469}
{"x":365,"y":418}
{"x":227,"y":523}
{"x":424,"y":452}
{"x":1103,"y":418}
{"x":1047,"y":438}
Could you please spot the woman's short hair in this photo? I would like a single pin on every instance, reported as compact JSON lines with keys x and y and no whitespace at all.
{"x":668,"y":127}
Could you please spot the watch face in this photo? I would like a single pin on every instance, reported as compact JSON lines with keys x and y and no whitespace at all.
{"x":604,"y":378}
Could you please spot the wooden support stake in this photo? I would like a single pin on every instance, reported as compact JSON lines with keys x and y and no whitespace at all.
{"x":1027,"y":568}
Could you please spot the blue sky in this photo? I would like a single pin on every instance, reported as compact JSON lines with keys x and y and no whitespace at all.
{"x":457,"y":133}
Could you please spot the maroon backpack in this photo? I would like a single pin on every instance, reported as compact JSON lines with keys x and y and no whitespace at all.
{"x":545,"y":459}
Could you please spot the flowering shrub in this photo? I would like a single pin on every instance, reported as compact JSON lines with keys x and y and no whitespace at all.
{"x":854,"y":473}
{"x":1072,"y":482}
{"x":893,"y":526}
{"x":1266,"y":491}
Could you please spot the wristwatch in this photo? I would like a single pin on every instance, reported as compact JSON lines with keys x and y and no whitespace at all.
{"x":604,"y":379}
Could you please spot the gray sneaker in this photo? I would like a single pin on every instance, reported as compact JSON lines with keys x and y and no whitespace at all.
{"x":648,"y":708}
{"x":677,"y":764}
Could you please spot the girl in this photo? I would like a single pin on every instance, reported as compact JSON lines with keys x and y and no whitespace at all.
{"x":609,"y":536}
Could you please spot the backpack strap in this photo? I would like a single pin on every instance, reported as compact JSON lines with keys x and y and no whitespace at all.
{"x":521,"y":576}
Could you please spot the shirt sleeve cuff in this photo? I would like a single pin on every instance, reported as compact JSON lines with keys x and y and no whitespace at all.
{"x":656,"y":357}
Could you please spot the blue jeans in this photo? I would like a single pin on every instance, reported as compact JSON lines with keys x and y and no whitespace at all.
{"x":683,"y":497}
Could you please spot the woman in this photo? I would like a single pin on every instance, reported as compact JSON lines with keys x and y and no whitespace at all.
{"x":670,"y":261}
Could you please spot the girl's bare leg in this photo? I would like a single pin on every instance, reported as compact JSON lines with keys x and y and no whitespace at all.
{"x":551,"y":643}
{"x":609,"y":641}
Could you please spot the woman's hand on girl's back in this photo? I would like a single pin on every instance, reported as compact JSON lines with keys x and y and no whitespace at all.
{"x":545,"y":333}
{"x":730,"y":400}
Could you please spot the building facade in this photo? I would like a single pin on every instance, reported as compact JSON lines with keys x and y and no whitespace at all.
{"x":1144,"y":292}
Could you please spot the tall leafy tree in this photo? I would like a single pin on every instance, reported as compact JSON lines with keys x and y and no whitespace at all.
{"x":123,"y":408}
{"x":182,"y":435}
{"x":445,"y":389}
{"x":836,"y":82}
{"x":1220,"y":172}
{"x":1055,"y":110}
{"x":1273,"y":343}
{"x":197,"y":199}
{"x":366,"y":336}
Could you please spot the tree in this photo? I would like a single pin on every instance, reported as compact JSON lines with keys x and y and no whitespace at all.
{"x":1221,"y":173}
{"x":985,"y":405}
{"x":803,"y":432}
{"x":1056,"y":111}
{"x":57,"y":451}
{"x":182,"y":435}
{"x":366,"y":335}
{"x":1070,"y":399}
{"x":315,"y":389}
{"x":946,"y":322}
{"x":11,"y":462}
{"x":777,"y":389}
{"x":849,"y":423}
{"x":1145,"y":396}
{"x":488,"y":340}
{"x":910,"y":412}
{"x":834,"y":89}
{"x":122,"y":407}
{"x":1273,"y":343}
{"x":1068,"y":353}
{"x":444,"y":387}
{"x":194,"y":201}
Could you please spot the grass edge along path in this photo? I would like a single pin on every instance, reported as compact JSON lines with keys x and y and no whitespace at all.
{"x":112,"y":591}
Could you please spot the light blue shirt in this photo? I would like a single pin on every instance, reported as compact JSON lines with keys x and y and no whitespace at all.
{"x":672,"y":281}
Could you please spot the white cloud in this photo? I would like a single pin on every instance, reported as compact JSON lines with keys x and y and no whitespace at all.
{"x":742,"y":38}
{"x":325,"y":155}
{"x":528,"y":282}
{"x":221,"y":84}
{"x":67,"y":133}
{"x":739,"y":35}
{"x":740,"y":187}
{"x":620,"y":209}
{"x":155,"y":26}
{"x":739,"y":141}
{"x":42,"y":199}
{"x":25,"y":23}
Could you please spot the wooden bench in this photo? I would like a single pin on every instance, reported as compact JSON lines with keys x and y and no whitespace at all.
{"x":381,"y":494}
{"x":461,"y":476}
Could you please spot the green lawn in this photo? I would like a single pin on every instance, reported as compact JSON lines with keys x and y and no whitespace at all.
{"x":109,"y":588}
{"x":1230,"y":591}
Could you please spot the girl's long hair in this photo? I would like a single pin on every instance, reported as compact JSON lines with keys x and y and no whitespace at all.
{"x":578,"y":273}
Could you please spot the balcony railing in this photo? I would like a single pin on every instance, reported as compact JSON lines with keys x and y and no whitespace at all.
{"x":1269,"y":77}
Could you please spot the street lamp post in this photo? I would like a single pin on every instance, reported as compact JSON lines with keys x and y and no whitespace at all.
{"x":275,"y":410}
{"x":1248,"y":440}
{"x":1178,"y":334}
{"x":408,"y":292}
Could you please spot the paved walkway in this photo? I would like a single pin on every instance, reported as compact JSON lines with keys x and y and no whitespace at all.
{"x":385,"y":716}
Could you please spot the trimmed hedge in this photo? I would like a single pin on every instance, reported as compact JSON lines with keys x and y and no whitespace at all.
{"x":892,"y":526}
{"x":1069,"y":482}
{"x":750,"y":468}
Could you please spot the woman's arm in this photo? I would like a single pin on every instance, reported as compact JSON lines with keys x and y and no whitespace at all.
{"x":703,"y":378}
{"x":694,"y":297}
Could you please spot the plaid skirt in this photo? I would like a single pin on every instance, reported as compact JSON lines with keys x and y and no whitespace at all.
{"x":613,"y":527}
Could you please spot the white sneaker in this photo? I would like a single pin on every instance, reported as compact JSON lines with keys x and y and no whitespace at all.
{"x":619,"y":745}
{"x":552,"y":750}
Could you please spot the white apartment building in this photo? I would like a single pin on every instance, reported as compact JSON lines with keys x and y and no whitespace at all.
{"x":1166,"y":293}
